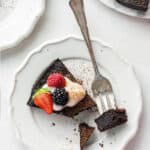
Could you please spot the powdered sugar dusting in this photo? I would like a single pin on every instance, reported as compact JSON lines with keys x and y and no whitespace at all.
{"x":82,"y":69}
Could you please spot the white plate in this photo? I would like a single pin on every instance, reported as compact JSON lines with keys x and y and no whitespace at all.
{"x":17,"y":20}
{"x":113,"y":4}
{"x":34,"y":127}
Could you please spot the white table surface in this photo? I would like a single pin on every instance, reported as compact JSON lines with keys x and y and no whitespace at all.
{"x":128,"y":36}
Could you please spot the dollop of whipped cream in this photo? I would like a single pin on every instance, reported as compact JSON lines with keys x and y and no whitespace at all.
{"x":76,"y":93}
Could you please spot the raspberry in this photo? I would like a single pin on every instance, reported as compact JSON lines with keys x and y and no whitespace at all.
{"x":56,"y":80}
{"x":60,"y":96}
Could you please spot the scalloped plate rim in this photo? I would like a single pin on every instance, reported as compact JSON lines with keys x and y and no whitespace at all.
{"x":38,"y":50}
{"x":4,"y":45}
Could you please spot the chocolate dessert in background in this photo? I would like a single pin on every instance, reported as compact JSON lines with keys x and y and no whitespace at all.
{"x":135,"y":4}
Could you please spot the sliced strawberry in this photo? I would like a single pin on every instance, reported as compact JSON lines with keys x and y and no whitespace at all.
{"x":44,"y":101}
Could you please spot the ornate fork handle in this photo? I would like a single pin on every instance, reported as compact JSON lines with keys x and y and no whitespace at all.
{"x":110,"y":117}
{"x":78,"y":9}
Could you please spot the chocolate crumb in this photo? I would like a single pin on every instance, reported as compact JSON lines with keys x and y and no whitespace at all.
{"x":74,"y":129}
{"x":70,"y":141}
{"x":77,"y":120}
{"x":53,"y":124}
{"x":101,"y":145}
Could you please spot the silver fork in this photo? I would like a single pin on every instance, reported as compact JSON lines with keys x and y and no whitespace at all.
{"x":101,"y":86}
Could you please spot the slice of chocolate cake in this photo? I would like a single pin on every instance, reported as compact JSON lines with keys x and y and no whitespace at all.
{"x":111,"y":119}
{"x":85,"y":104}
{"x":135,"y":4}
{"x":85,"y":133}
{"x":57,"y":66}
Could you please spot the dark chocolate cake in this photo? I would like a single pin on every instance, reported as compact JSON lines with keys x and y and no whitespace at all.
{"x":135,"y":4}
{"x":58,"y":67}
{"x":111,"y":119}
{"x":85,"y":133}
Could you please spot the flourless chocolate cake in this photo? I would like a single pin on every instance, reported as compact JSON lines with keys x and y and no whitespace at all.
{"x":57,"y":66}
{"x":135,"y":4}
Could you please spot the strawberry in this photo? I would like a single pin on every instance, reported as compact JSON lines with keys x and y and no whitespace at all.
{"x":56,"y":80}
{"x":43,"y":99}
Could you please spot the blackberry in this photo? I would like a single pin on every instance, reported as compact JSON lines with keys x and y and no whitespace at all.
{"x":60,"y":96}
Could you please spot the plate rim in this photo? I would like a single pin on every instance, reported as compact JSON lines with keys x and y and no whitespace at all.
{"x":5,"y":45}
{"x":38,"y":50}
{"x":122,"y":12}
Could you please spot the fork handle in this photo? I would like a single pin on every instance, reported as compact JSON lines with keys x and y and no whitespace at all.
{"x":78,"y":8}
